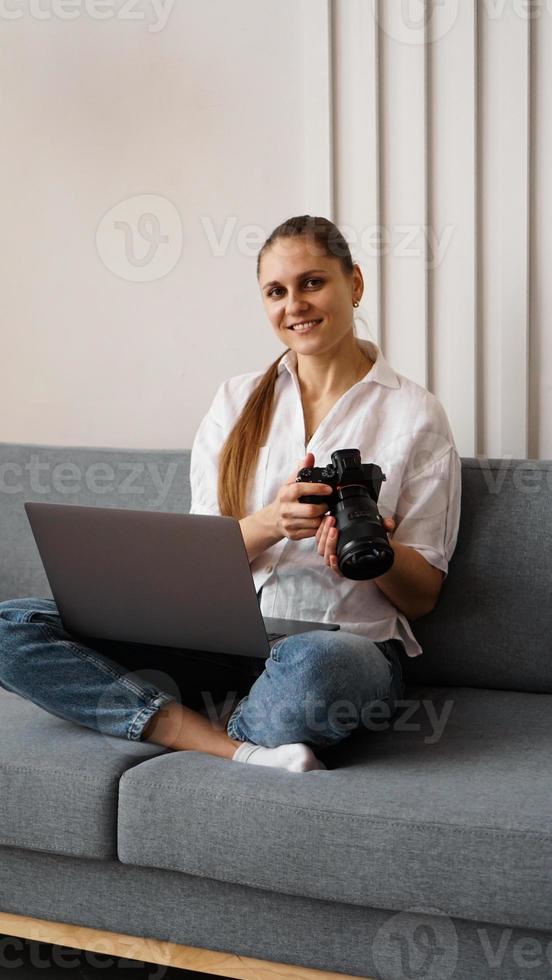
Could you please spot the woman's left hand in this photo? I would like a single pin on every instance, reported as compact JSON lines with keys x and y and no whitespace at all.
{"x":326,"y":540}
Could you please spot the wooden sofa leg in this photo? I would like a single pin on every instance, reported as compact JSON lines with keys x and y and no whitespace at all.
{"x":157,"y":951}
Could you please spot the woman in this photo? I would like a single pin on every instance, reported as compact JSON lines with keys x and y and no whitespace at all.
{"x":328,"y":390}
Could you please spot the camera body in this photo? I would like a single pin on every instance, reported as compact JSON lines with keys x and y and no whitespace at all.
{"x":363,"y":549}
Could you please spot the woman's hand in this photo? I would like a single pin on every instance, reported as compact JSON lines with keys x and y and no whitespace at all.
{"x":326,"y":539}
{"x":293,"y":519}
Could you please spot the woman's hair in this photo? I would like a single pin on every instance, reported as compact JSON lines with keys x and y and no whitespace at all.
{"x":238,"y":456}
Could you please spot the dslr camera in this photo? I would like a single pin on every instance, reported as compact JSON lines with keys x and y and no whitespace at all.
{"x":363,"y":549}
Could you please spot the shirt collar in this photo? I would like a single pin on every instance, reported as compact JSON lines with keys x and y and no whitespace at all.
{"x":381,"y":372}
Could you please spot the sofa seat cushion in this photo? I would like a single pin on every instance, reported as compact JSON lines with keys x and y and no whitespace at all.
{"x":449,"y":806}
{"x":59,"y":781}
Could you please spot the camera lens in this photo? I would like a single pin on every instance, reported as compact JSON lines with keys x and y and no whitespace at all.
{"x":363,"y":551}
{"x":364,"y":561}
{"x":365,"y":557}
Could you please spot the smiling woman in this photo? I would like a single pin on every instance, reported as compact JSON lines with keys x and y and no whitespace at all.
{"x":337,"y":392}
{"x":328,"y":390}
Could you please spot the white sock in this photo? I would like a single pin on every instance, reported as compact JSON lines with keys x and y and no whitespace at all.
{"x":296,"y":757}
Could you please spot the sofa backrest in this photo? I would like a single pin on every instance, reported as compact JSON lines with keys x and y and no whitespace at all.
{"x":136,"y":479}
{"x":492,"y":626}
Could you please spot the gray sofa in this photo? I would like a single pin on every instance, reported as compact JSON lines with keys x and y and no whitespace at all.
{"x":424,"y":851}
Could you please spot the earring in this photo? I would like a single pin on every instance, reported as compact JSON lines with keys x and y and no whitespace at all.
{"x":356,"y":302}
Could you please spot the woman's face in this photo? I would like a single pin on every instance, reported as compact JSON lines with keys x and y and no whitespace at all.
{"x":299,"y":285}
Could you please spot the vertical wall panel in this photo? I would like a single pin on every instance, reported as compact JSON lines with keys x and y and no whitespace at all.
{"x":443,"y":135}
{"x":315,"y":69}
{"x":452,"y":255}
{"x":403,"y":56}
{"x":540,"y":444}
{"x":356,"y":152}
{"x":504,"y":145}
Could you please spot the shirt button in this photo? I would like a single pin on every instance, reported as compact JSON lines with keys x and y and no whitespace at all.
{"x":269,"y":568}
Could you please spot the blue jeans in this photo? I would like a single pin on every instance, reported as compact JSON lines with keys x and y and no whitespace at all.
{"x":320,"y":678}
{"x":318,"y":687}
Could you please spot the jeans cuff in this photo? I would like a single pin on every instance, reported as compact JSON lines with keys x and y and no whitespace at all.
{"x":140,"y":721}
{"x":232,"y":725}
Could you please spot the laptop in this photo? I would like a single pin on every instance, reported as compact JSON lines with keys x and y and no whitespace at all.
{"x":173,"y":580}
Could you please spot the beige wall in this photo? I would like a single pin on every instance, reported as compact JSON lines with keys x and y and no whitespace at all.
{"x":148,"y":149}
{"x":207,"y":117}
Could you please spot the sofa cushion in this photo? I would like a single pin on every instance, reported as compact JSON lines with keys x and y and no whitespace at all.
{"x":457,"y":818}
{"x":492,"y":625}
{"x":59,"y":781}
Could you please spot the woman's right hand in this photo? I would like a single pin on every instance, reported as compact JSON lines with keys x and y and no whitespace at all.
{"x":293,"y":519}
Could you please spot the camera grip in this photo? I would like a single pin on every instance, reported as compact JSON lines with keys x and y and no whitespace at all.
{"x":316,"y":499}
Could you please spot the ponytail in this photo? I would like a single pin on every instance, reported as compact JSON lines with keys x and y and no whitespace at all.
{"x":238,"y":457}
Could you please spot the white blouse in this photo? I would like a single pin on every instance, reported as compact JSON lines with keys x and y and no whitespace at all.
{"x":395,"y":423}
